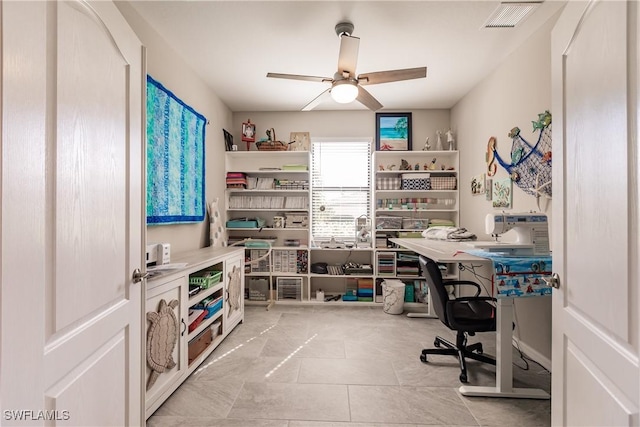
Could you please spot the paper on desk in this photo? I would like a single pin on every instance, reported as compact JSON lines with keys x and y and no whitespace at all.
{"x":165,"y":267}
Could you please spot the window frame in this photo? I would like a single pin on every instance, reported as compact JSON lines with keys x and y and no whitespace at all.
{"x":350,"y":236}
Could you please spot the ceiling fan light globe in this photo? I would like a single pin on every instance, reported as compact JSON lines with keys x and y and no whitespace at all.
{"x":344,"y":92}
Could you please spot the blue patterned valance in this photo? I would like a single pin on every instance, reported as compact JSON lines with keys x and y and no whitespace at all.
{"x":175,"y":158}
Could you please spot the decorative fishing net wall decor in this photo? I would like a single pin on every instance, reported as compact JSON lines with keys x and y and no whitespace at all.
{"x":530,"y":165}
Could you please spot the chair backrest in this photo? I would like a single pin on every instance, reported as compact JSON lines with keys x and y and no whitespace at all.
{"x":439,"y":295}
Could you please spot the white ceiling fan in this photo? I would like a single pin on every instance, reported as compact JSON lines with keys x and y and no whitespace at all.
{"x":345,"y":87}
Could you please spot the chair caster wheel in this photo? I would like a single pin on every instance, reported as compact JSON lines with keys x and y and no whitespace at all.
{"x":436,"y":343}
{"x":423,"y":358}
{"x":463,"y":378}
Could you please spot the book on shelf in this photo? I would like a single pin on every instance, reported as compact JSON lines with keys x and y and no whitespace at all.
{"x":294,"y":167}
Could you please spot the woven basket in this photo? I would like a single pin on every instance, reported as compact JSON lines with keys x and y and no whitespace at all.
{"x":272,"y":146}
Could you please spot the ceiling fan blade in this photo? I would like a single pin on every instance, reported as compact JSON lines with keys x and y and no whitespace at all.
{"x":316,"y":101}
{"x":299,"y":77}
{"x":348,"y":57}
{"x":392,"y":76}
{"x":366,"y":99}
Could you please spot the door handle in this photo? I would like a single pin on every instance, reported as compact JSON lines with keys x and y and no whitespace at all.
{"x":554,"y":281}
{"x":184,"y":329}
{"x":138,"y":276}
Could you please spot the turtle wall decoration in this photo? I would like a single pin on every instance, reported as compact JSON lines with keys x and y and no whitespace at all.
{"x":162,"y":337}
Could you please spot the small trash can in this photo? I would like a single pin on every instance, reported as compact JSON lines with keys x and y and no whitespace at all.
{"x":393,"y":296}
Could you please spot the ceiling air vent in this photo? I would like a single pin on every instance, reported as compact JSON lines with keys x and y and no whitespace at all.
{"x":510,"y":14}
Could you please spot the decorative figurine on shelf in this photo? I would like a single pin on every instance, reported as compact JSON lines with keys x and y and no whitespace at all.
{"x":432,"y":166}
{"x":439,"y":141}
{"x":248,"y":133}
{"x":404,"y":165}
{"x":450,"y":140}
{"x":417,"y":167}
{"x":427,"y":146}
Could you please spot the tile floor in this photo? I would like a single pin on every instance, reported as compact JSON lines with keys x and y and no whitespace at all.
{"x":322,"y":366}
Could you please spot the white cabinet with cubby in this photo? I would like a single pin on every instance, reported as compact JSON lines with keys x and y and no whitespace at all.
{"x":171,"y":297}
{"x":165,"y":307}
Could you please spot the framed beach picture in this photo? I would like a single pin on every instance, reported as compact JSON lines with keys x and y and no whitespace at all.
{"x":393,"y":131}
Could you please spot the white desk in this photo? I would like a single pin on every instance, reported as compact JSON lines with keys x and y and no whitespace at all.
{"x":453,"y":252}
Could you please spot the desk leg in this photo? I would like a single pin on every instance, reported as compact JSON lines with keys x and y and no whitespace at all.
{"x":504,"y":358}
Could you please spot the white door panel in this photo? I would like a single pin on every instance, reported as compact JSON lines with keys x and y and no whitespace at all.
{"x":107,"y":400}
{"x":91,"y":146}
{"x":588,"y":387}
{"x":596,"y":375}
{"x":72,"y":214}
{"x":596,"y":190}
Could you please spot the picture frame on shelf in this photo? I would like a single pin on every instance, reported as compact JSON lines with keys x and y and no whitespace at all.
{"x":228,"y":140}
{"x":299,"y":141}
{"x":393,"y":132}
{"x":248,"y":133}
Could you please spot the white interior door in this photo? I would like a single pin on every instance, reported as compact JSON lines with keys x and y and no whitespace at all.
{"x":595,"y":229}
{"x":72,"y":215}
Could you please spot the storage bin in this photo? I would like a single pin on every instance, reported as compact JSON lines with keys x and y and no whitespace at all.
{"x":258,"y":289}
{"x":216,"y":329}
{"x":388,"y":222}
{"x":246,"y":223}
{"x":289,"y":288}
{"x":444,"y":182}
{"x":199,"y":344}
{"x":416,"y":184}
{"x":210,"y":306}
{"x":415,"y":175}
{"x":415,"y":223}
{"x":205,"y":279}
{"x":388,"y":183}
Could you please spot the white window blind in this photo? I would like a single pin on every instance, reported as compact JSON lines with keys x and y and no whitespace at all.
{"x":340,"y":191}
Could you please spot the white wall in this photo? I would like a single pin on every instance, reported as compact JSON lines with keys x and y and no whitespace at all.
{"x":513,"y":95}
{"x":335,"y":124}
{"x":166,"y":66}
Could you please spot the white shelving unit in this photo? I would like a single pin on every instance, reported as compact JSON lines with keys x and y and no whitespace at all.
{"x":282,"y":202}
{"x":404,"y":204}
{"x":262,"y":278}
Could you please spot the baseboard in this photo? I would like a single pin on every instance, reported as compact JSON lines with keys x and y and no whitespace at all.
{"x":533,"y":354}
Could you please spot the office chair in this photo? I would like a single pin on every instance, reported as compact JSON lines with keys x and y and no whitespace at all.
{"x":465,"y":315}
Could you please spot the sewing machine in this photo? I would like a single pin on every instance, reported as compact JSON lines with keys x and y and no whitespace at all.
{"x":531,"y":230}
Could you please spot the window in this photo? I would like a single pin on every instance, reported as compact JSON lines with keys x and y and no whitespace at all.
{"x":340,"y":192}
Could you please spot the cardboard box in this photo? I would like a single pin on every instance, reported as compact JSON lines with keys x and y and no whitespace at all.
{"x":199,"y":344}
